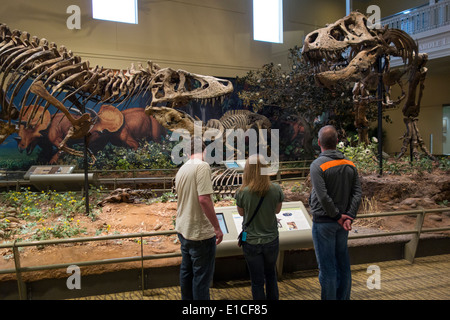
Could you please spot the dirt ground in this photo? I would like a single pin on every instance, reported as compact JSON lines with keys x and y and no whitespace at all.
{"x":380,"y":194}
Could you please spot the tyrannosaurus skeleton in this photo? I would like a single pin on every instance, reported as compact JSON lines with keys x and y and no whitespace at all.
{"x":58,"y":76}
{"x":348,"y":51}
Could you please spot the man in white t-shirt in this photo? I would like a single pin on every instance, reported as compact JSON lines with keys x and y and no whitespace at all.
{"x":197,"y":225}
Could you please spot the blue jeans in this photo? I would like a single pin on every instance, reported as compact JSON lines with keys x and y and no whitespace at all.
{"x":330,"y":244}
{"x":261,"y":261}
{"x":197,"y":267}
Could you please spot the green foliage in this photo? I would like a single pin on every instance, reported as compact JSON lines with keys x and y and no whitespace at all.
{"x":365,"y":158}
{"x":168,"y":197}
{"x":299,"y":187}
{"x":296,"y":93}
{"x":12,"y":160}
{"x":37,"y":208}
{"x":149,"y":155}
{"x":59,"y":230}
{"x":444,"y":163}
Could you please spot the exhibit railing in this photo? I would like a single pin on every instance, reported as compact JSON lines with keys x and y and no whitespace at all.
{"x":409,"y":250}
{"x":420,"y":19}
{"x":15,"y":180}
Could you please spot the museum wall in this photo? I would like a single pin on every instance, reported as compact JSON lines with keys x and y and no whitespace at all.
{"x":388,"y":7}
{"x":436,"y":91}
{"x":436,"y":94}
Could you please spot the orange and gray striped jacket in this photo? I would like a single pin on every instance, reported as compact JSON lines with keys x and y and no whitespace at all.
{"x":336,"y":189}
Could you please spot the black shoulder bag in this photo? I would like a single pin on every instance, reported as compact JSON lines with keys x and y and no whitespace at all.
{"x":243,"y":235}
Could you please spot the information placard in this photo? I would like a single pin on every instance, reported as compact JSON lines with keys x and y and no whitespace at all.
{"x":289,"y":219}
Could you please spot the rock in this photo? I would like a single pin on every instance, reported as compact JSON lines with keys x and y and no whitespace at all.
{"x":415,"y":202}
{"x":412,"y":202}
{"x":435,"y":217}
{"x":158,"y":226}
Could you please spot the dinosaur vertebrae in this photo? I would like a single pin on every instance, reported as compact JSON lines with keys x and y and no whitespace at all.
{"x":23,"y":58}
{"x":239,"y":119}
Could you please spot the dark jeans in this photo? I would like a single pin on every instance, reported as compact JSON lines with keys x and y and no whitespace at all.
{"x":197,"y":267}
{"x":261,"y":261}
{"x":330,"y":244}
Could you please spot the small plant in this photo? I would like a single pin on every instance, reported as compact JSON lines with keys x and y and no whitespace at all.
{"x":298,"y":187}
{"x":444,"y":203}
{"x":168,"y":197}
{"x":363,"y":156}
{"x":104,"y":229}
{"x":66,"y":229}
{"x":38,"y":210}
{"x":369,"y":205}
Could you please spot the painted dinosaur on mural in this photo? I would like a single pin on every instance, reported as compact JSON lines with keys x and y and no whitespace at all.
{"x":60,"y":78}
{"x":348,"y":51}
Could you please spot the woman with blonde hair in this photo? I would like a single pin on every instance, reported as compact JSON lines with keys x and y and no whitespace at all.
{"x":261,"y":243}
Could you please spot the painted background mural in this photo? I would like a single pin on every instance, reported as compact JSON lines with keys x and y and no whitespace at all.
{"x":125,"y":137}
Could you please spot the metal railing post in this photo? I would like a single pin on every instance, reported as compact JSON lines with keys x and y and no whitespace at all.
{"x":411,"y":247}
{"x":20,"y":284}
{"x":142,"y":266}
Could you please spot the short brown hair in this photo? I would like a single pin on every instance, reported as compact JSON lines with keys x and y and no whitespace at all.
{"x":328,"y":137}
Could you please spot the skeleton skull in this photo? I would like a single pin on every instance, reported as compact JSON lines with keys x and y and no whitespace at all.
{"x":342,"y":51}
{"x":176,"y":88}
{"x":172,"y":119}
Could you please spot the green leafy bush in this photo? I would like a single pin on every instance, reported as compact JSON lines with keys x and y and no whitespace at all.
{"x":365,"y":158}
{"x":149,"y":155}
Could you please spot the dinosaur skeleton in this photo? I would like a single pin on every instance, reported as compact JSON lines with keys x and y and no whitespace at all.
{"x":57,"y":76}
{"x":173,"y":119}
{"x":225,"y":180}
{"x":347,"y":51}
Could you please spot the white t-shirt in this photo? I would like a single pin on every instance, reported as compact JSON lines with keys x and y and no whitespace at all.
{"x":192,"y":180}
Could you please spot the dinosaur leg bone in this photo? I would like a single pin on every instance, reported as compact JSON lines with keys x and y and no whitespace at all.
{"x":80,"y":126}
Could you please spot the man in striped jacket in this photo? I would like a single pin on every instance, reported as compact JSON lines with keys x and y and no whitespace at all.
{"x":334,"y":202}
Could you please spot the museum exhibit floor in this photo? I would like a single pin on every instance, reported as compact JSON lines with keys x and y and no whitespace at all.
{"x":428,"y":278}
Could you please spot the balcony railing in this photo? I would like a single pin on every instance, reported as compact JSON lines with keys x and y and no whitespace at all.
{"x":420,"y":19}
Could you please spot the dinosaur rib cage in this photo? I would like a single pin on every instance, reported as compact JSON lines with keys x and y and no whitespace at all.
{"x":226,"y":181}
{"x":23,"y":59}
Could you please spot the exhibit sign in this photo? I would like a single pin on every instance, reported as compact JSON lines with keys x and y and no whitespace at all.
{"x":289,"y":219}
{"x":294,"y":227}
{"x":50,"y":169}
